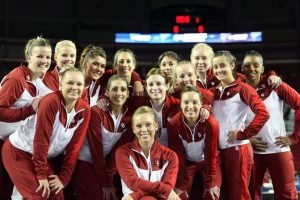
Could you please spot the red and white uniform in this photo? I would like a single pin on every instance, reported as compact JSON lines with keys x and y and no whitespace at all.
{"x":170,"y":107}
{"x":141,"y":176}
{"x":192,"y":146}
{"x":49,"y":133}
{"x":17,"y":92}
{"x":93,"y":92}
{"x":278,"y":160}
{"x":49,"y":83}
{"x":230,"y":107}
{"x":97,"y":155}
{"x":212,"y":81}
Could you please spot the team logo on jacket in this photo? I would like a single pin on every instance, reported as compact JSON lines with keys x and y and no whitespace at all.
{"x":75,"y":120}
{"x":156,"y":163}
{"x":122,"y":125}
{"x":199,"y":135}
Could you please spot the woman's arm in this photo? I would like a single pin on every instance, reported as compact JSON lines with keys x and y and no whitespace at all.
{"x":73,"y":148}
{"x":11,"y":90}
{"x":251,"y":98}
{"x":94,"y":137}
{"x":44,"y":127}
{"x":130,"y":176}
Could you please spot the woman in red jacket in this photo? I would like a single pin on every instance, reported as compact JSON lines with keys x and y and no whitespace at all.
{"x":19,"y":97}
{"x":93,"y":64}
{"x":59,"y":126}
{"x":107,"y":131}
{"x":124,"y":64}
{"x":232,"y":101}
{"x":148,"y":170}
{"x":272,"y":144}
{"x":65,"y":56}
{"x":163,"y":105}
{"x":201,"y":57}
{"x":167,"y":61}
{"x":196,"y":145}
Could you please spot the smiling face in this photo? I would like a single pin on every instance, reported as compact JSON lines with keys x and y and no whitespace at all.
{"x":125,"y":64}
{"x":144,"y":127}
{"x":167,"y":65}
{"x":39,"y":60}
{"x":117,"y":92}
{"x":222,"y":69}
{"x":201,"y":59}
{"x":156,"y":87}
{"x":190,"y":105}
{"x":95,"y":67}
{"x":72,"y":84}
{"x":65,"y":56}
{"x":253,"y":67}
{"x":185,"y":75}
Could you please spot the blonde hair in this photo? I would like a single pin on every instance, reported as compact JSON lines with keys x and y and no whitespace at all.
{"x":204,"y":46}
{"x":183,"y":62}
{"x":64,"y":43}
{"x":144,"y":110}
{"x":35,"y":42}
{"x":66,"y":70}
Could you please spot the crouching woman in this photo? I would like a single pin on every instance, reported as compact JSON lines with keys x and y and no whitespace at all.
{"x":59,"y":126}
{"x":148,"y":169}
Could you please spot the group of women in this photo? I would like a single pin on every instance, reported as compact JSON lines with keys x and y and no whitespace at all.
{"x":185,"y":132}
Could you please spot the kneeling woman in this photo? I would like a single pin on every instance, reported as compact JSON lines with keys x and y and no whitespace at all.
{"x":59,"y":126}
{"x":196,"y":145}
{"x":148,"y":169}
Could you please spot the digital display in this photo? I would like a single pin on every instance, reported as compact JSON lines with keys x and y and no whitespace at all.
{"x":170,"y":38}
{"x":188,"y":23}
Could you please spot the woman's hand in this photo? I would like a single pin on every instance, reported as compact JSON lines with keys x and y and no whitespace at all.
{"x":283,"y":141}
{"x":109,"y":192}
{"x":231,"y":137}
{"x":44,"y":186}
{"x":204,"y":114}
{"x":179,"y":192}
{"x":274,"y":81}
{"x":128,"y":197}
{"x":103,"y":104}
{"x":173,"y":196}
{"x":213,"y":192}
{"x":258,"y":144}
{"x":138,"y":89}
{"x":35,"y":103}
{"x":55,"y":184}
